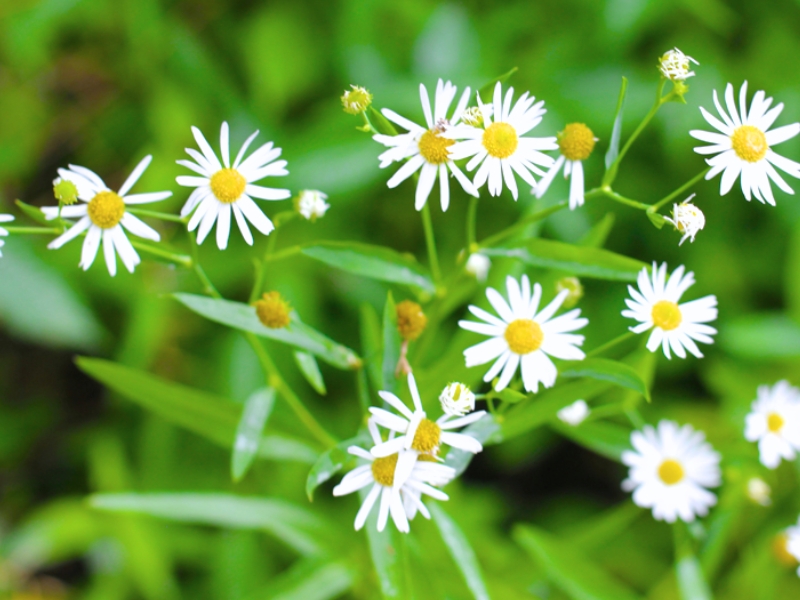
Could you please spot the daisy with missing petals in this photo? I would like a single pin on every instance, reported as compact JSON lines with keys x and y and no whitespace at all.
{"x":225,"y":188}
{"x":102,"y":215}
{"x":417,"y":433}
{"x":675,"y":326}
{"x":380,"y":475}
{"x":498,"y":145}
{"x":687,"y":219}
{"x":4,"y":232}
{"x":744,"y":146}
{"x":774,"y":422}
{"x":575,"y":143}
{"x":670,"y":469}
{"x":523,"y":338}
{"x":425,"y":147}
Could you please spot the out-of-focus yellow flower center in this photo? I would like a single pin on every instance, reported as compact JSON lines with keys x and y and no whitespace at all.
{"x":666,"y":315}
{"x":228,"y":185}
{"x":524,"y":336}
{"x":106,"y":209}
{"x":781,"y":550}
{"x":411,"y":321}
{"x":576,"y":142}
{"x":434,"y":148}
{"x":749,"y":143}
{"x":774,"y":422}
{"x":670,"y":471}
{"x":273,"y":310}
{"x":426,"y":439}
{"x":383,"y":469}
{"x":500,"y":140}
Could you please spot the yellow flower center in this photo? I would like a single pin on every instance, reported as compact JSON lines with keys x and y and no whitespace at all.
{"x":434,"y":148}
{"x":524,"y":336}
{"x":411,"y":321}
{"x":670,"y":471}
{"x":426,"y":439}
{"x":666,"y":315}
{"x":500,"y":140}
{"x":774,"y":422}
{"x":228,"y":185}
{"x":106,"y":209}
{"x":781,"y":550}
{"x":273,"y":310}
{"x":383,"y":469}
{"x":576,"y":142}
{"x":749,"y":143}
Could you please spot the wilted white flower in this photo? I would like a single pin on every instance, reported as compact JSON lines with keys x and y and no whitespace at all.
{"x":575,"y":413}
{"x":575,"y":143}
{"x":743,"y":148}
{"x":670,"y":470}
{"x":674,"y":65}
{"x":759,"y":491}
{"x":687,"y":219}
{"x":774,"y":422}
{"x":457,"y":399}
{"x":478,"y":265}
{"x":4,"y":232}
{"x":311,"y":204}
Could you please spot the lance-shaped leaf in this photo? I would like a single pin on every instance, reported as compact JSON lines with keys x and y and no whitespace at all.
{"x":603,"y":369}
{"x":391,"y":345}
{"x":579,"y":260}
{"x":603,"y":437}
{"x":243,"y":317}
{"x":310,"y":579}
{"x":459,"y":547}
{"x":487,"y":90}
{"x":254,"y":417}
{"x":483,"y":430}
{"x":374,"y":262}
{"x":616,"y":130}
{"x":310,"y":369}
{"x":381,"y":123}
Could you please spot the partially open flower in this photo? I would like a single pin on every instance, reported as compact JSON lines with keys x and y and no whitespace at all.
{"x":674,"y":65}
{"x":311,"y":204}
{"x":687,"y":219}
{"x":457,"y":399}
{"x":356,"y":100}
{"x":411,"y":321}
{"x":273,"y":310}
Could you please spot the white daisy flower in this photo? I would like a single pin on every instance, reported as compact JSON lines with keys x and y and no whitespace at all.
{"x":676,"y":326}
{"x":478,"y":265}
{"x":675,"y":65}
{"x":575,"y":143}
{"x":417,"y":433}
{"x":522,"y":337}
{"x":687,"y":219}
{"x":311,"y":204}
{"x":425,"y":147}
{"x":4,"y":232}
{"x":498,"y":145}
{"x":225,"y":188}
{"x":744,"y":146}
{"x":575,"y":413}
{"x":670,"y":470}
{"x":396,"y":499}
{"x":759,"y":491}
{"x":775,"y":423}
{"x":102,"y":216}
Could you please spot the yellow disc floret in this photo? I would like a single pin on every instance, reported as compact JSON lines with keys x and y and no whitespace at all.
{"x":273,"y":310}
{"x":666,"y":315}
{"x":228,"y":185}
{"x":670,"y":471}
{"x":576,"y":142}
{"x":383,"y":469}
{"x":106,"y":209}
{"x":500,"y":140}
{"x":774,"y":422}
{"x":411,"y":321}
{"x":426,"y":439}
{"x":749,"y":143}
{"x":434,"y":148}
{"x":524,"y":336}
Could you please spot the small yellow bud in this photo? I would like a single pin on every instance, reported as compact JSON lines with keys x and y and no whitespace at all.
{"x":273,"y":310}
{"x":356,"y":101}
{"x":65,"y":191}
{"x":574,"y":287}
{"x":411,"y":321}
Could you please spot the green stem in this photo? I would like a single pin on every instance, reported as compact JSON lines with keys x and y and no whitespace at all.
{"x":609,"y":193}
{"x":180,"y":259}
{"x":608,"y":345}
{"x":430,"y":242}
{"x":285,"y":253}
{"x":275,"y":380}
{"x":368,"y":123}
{"x":156,"y":215}
{"x":506,"y":233}
{"x":680,"y":191}
{"x":472,"y":214}
{"x":208,"y":287}
{"x":258,"y":283}
{"x":32,"y":230}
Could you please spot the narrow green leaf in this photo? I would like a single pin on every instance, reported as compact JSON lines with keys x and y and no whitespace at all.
{"x":243,"y":317}
{"x":603,"y":437}
{"x":381,"y":123}
{"x":331,"y":462}
{"x":596,"y":237}
{"x":579,"y":260}
{"x":604,"y":369}
{"x":616,"y":130}
{"x":310,"y":369}
{"x":254,"y":417}
{"x":374,"y":262}
{"x":310,"y":579}
{"x":542,"y":408}
{"x":461,"y":551}
{"x":691,"y":581}
{"x":205,"y":414}
{"x":34,"y":213}
{"x":511,"y":396}
{"x":288,"y":522}
{"x":487,"y":91}
{"x":391,"y":345}
{"x":761,"y":337}
{"x":574,"y":574}
{"x":372,"y":344}
{"x":483,"y":430}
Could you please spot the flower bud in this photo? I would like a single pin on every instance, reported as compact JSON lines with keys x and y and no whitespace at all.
{"x":273,"y":310}
{"x":478,"y":265}
{"x":472,"y":116}
{"x":575,"y":413}
{"x":411,"y":321}
{"x":573,"y":286}
{"x":674,"y":65}
{"x":759,"y":491}
{"x":457,"y":399}
{"x":356,"y":100}
{"x":311,"y":204}
{"x":65,"y":191}
{"x":687,"y":219}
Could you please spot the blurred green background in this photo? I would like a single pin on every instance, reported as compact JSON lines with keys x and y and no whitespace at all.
{"x":101,"y":83}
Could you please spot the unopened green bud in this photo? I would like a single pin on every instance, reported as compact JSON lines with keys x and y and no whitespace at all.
{"x":356,"y":100}
{"x":574,"y":287}
{"x":65,"y":191}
